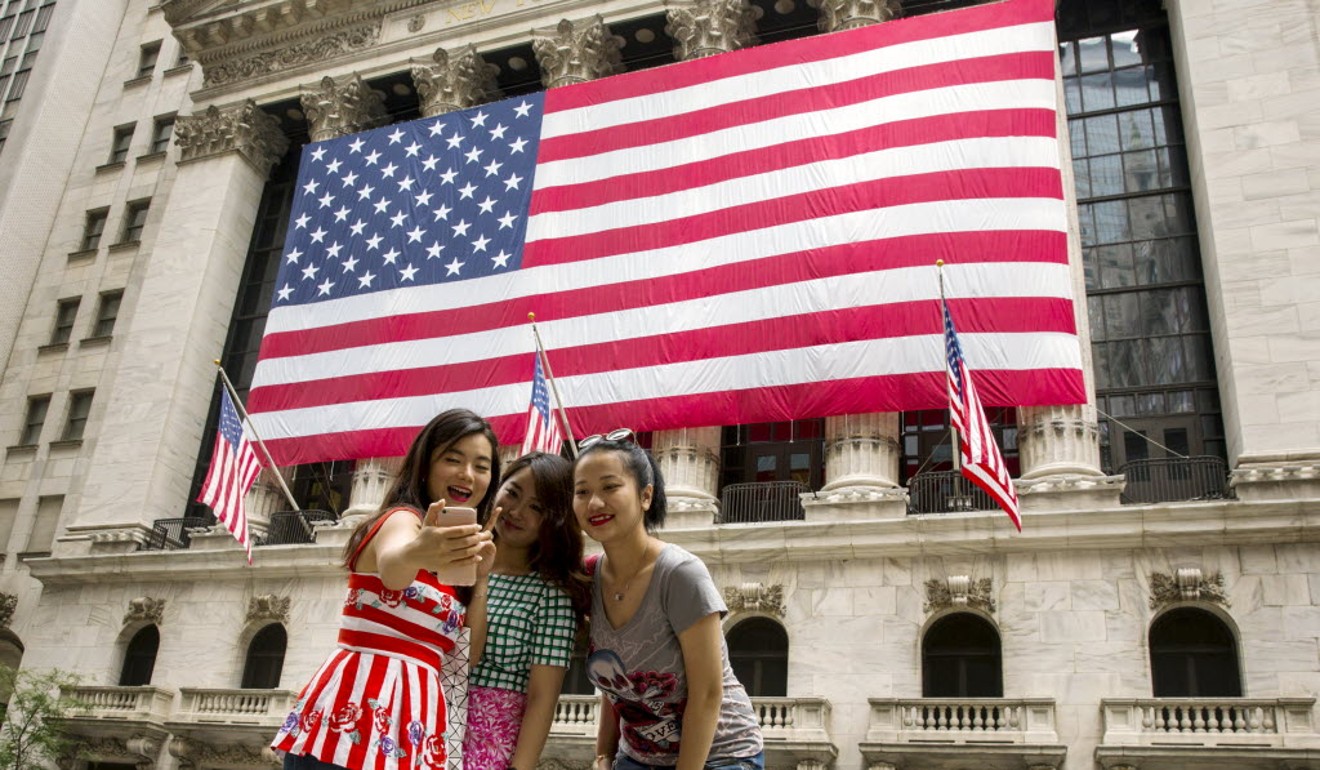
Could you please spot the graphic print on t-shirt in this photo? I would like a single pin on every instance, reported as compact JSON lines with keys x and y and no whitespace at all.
{"x":651,"y":723}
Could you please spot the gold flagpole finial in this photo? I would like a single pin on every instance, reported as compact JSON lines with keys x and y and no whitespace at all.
{"x":531,"y":317}
{"x":939,"y":263}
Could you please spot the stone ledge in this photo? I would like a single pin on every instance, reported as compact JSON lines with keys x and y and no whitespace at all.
{"x":20,"y":449}
{"x":178,"y":69}
{"x":98,"y":340}
{"x":1283,"y":481}
{"x":137,"y":81}
{"x":80,"y":254}
{"x":66,"y":443}
{"x":112,"y":166}
{"x":51,"y":347}
{"x":115,"y":248}
{"x":1070,"y":492}
{"x":150,"y":156}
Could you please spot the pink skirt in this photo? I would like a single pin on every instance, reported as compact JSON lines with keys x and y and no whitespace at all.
{"x":494,"y":719}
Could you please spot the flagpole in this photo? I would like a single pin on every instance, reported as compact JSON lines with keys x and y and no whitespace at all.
{"x":550,"y":378}
{"x":238,"y":404}
{"x":954,"y":454}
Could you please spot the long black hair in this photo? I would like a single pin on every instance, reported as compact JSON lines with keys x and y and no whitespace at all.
{"x":557,"y":553}
{"x":643,"y":468}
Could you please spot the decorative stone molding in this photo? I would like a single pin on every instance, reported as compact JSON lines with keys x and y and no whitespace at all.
{"x":268,"y":607}
{"x":145,"y":609}
{"x":861,"y":450}
{"x":342,"y":107}
{"x":1186,"y":585}
{"x":221,"y":70}
{"x":575,"y":52}
{"x":959,"y":591}
{"x":689,"y":461}
{"x":756,"y":597}
{"x":1274,"y":480}
{"x":455,"y":81}
{"x":8,"y":603}
{"x":192,"y":753}
{"x":838,"y":15}
{"x":245,"y":129}
{"x":139,"y":750}
{"x":702,"y":28}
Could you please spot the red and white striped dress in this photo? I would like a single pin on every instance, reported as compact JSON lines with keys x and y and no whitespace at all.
{"x":377,"y":703}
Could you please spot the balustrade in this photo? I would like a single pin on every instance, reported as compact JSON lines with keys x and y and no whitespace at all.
{"x":127,"y":703}
{"x":1208,"y":721}
{"x":1022,"y":720}
{"x":233,"y":705}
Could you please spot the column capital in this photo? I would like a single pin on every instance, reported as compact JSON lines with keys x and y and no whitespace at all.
{"x":576,"y":51}
{"x":454,"y":81}
{"x":837,"y":15}
{"x":341,"y":107}
{"x":708,"y":27}
{"x":245,"y":129}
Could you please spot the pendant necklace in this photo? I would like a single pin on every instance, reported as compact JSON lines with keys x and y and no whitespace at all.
{"x":620,"y":593}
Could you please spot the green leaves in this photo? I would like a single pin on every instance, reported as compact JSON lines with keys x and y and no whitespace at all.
{"x":32,"y":736}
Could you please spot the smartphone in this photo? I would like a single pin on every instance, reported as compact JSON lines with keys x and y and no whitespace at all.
{"x":457,"y":575}
{"x":453,"y":516}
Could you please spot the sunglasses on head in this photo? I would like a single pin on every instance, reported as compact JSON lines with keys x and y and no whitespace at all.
{"x":618,"y":434}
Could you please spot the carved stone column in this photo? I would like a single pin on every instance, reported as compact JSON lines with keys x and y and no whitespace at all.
{"x":371,"y":480}
{"x":707,"y":27}
{"x":342,"y":107}
{"x":1058,"y":440}
{"x":454,"y":81}
{"x":861,"y":450}
{"x":576,"y":51}
{"x":263,"y":499}
{"x":836,"y":15}
{"x":192,"y":254}
{"x":689,"y":459}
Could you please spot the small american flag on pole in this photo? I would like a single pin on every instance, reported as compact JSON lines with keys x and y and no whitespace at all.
{"x":234,"y":466}
{"x":543,"y":434}
{"x":981,"y":461}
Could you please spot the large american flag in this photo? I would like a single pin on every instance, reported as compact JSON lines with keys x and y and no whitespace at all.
{"x":234,"y":466}
{"x":979,"y":457}
{"x":746,"y":237}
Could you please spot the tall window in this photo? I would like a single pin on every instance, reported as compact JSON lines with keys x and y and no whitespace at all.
{"x":65,"y":314}
{"x":265,"y":658}
{"x":123,"y":137}
{"x":147,"y":59}
{"x":107,"y":312}
{"x":928,"y":442}
{"x":135,"y":220}
{"x":80,"y":406}
{"x":94,"y":228}
{"x":47,"y":521}
{"x":140,"y":658}
{"x":960,"y":658}
{"x":161,"y":134}
{"x":1154,"y":365}
{"x":35,"y":419}
{"x":1193,"y":655}
{"x":758,"y":654}
{"x":774,"y":451}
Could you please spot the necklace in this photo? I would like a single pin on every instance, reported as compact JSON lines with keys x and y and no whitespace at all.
{"x":622,"y":592}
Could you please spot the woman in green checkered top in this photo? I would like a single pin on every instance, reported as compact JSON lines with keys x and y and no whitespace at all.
{"x":538,"y":597}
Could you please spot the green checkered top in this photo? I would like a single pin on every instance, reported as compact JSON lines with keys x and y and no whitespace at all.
{"x":530,"y":623}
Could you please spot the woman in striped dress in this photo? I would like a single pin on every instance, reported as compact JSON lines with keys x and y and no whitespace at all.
{"x":376,"y":703}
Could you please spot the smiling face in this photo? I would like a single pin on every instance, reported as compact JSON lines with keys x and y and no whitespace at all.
{"x":460,"y":473}
{"x":606,"y":498}
{"x":520,"y":523}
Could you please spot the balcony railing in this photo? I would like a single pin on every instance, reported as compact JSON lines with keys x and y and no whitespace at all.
{"x":1175,"y":479}
{"x":762,"y":501}
{"x":295,"y":527}
{"x":576,"y":715}
{"x":946,"y":492}
{"x":780,"y":718}
{"x":171,"y":534}
{"x":1277,"y":722}
{"x":149,"y":704}
{"x":962,"y":720}
{"x":234,"y":706}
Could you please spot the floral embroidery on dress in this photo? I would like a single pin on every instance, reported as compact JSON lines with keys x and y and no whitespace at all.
{"x":354,"y":598}
{"x":291,"y":723}
{"x":391,"y":598}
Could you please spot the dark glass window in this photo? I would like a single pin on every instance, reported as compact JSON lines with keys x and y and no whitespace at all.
{"x":928,"y":441}
{"x":43,"y":18}
{"x":161,"y":134}
{"x":147,"y":59}
{"x":80,"y":405}
{"x":93,"y":228}
{"x":107,"y":313}
{"x":135,"y":220}
{"x":6,"y":24}
{"x":65,"y":315}
{"x":758,"y":653}
{"x":140,"y":658}
{"x":1193,"y":655}
{"x":1150,"y":330}
{"x":265,"y":658}
{"x":774,"y":451}
{"x":960,"y":658}
{"x":35,"y":420}
{"x":119,"y":146}
{"x":23,"y":24}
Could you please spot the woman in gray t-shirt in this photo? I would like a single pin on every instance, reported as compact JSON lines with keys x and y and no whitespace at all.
{"x":657,"y":651}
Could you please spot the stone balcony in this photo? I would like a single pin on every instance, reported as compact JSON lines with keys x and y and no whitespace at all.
{"x":1197,"y":733}
{"x":796,"y":732}
{"x":124,"y":725}
{"x":944,"y":733}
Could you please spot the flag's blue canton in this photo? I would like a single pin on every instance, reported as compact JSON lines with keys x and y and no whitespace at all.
{"x":230,"y":427}
{"x":429,"y":201}
{"x":952,"y":350}
{"x":541,"y":394}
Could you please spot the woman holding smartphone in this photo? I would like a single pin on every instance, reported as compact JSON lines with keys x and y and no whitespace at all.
{"x":538,"y":597}
{"x":658,"y":653}
{"x":376,"y":703}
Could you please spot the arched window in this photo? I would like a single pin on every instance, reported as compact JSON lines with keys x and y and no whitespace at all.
{"x":758,"y":653}
{"x":960,"y":658}
{"x":265,"y":658}
{"x":140,"y":657}
{"x":1193,"y":655}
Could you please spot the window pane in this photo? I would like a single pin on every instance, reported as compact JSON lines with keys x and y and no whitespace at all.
{"x":1115,"y":265}
{"x":1097,"y":92}
{"x":1125,"y":48}
{"x":1092,"y":54}
{"x":1106,"y":176}
{"x":1102,"y":134}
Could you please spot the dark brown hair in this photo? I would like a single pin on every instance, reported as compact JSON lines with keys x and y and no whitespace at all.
{"x":557,"y":553}
{"x":409,"y":487}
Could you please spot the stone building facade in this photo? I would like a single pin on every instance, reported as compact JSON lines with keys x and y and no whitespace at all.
{"x":1155,"y":612}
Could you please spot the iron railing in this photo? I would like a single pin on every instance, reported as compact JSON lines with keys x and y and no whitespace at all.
{"x":762,"y":501}
{"x":171,"y":534}
{"x":295,"y":527}
{"x":946,"y":492}
{"x":1175,"y":479}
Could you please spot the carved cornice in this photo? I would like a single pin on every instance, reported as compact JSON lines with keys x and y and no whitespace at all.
{"x":959,"y":591}
{"x":342,"y":107}
{"x":195,"y":753}
{"x":455,"y":81}
{"x":268,"y":607}
{"x":145,"y":609}
{"x":220,"y":72}
{"x":139,"y":750}
{"x":702,"y":28}
{"x":575,"y":52}
{"x":8,"y":603}
{"x":246,"y":129}
{"x":836,"y":15}
{"x":1186,"y":585}
{"x":756,"y":597}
